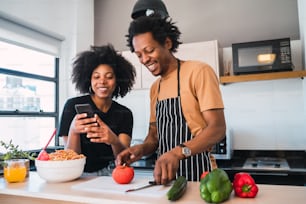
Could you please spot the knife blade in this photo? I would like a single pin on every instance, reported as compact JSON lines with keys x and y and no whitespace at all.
{"x":151,"y":183}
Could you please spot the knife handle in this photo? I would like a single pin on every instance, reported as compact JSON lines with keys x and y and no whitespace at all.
{"x":152,"y":182}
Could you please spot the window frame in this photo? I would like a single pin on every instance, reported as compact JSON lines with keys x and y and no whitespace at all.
{"x":54,"y":79}
{"x":23,"y":33}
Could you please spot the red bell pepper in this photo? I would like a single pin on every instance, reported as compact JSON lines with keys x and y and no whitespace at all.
{"x":244,"y":185}
{"x":204,"y":174}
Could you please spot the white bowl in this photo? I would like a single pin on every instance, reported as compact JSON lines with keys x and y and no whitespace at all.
{"x":60,"y":171}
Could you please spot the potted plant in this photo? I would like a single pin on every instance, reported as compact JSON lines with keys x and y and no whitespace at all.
{"x":14,"y":152}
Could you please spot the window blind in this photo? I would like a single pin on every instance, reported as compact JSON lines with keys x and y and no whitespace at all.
{"x":19,"y":32}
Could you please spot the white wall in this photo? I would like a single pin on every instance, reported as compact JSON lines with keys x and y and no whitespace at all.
{"x":266,"y":114}
{"x":72,"y":19}
{"x":302,"y":24}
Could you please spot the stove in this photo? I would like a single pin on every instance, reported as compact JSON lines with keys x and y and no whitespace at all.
{"x":266,"y":163}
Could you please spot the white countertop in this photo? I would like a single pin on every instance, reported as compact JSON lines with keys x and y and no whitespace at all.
{"x":35,"y":190}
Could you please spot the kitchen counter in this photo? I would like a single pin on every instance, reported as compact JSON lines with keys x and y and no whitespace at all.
{"x":35,"y":190}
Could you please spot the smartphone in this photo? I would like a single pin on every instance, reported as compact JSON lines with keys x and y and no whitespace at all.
{"x":85,"y":108}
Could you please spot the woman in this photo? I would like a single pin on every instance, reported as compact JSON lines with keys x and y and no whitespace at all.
{"x":101,"y":74}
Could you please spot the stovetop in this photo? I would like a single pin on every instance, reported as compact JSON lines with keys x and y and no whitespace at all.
{"x":267,"y":163}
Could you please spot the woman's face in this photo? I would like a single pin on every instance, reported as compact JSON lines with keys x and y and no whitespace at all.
{"x":103,"y":81}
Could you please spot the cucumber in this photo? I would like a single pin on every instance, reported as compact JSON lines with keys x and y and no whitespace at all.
{"x":178,"y":189}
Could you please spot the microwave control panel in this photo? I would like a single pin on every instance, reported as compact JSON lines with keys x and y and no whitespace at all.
{"x":285,"y":52}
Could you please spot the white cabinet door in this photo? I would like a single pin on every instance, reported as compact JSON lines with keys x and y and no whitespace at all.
{"x":147,"y":78}
{"x":135,"y":61}
{"x":144,"y":78}
{"x":207,"y":52}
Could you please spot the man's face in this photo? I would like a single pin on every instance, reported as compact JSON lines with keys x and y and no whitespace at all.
{"x":151,"y":54}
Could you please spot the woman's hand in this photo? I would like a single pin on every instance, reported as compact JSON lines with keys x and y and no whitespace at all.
{"x":101,"y":133}
{"x":81,"y":123}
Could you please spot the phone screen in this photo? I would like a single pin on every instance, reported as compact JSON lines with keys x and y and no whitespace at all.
{"x":84,"y":108}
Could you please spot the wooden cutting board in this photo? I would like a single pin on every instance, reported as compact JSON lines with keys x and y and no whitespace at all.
{"x":106,"y":184}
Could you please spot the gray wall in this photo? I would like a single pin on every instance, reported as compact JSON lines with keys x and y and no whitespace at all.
{"x":228,"y":21}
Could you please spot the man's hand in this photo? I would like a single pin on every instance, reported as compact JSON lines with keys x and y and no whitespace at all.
{"x":166,"y":167}
{"x":130,"y":155}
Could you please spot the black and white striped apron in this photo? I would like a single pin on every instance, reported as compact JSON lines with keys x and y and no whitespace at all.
{"x":173,"y":130}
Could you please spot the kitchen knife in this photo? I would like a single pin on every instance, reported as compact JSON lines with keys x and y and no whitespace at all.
{"x":151,"y":183}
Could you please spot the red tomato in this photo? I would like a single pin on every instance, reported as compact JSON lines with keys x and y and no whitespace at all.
{"x":204,"y":174}
{"x":43,"y":155}
{"x":123,"y":174}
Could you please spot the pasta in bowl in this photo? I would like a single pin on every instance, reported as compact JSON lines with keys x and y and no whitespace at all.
{"x":62,"y":166}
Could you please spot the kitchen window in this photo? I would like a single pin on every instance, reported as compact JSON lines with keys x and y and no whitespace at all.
{"x":29,"y":83}
{"x":28,"y":96}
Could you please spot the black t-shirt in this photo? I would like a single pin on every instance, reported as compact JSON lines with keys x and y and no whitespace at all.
{"x":119,"y":119}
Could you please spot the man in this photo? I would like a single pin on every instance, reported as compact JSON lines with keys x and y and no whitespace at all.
{"x":187,"y":116}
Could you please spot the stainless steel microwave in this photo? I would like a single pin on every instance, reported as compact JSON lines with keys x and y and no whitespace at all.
{"x":262,"y":56}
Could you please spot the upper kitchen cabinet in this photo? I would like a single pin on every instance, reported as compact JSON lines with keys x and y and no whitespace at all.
{"x":135,"y":61}
{"x":207,"y":52}
{"x":144,"y":78}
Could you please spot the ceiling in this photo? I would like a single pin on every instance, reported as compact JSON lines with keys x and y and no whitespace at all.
{"x":202,"y":20}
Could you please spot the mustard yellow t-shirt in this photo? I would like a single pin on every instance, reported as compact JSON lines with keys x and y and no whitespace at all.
{"x":199,"y":89}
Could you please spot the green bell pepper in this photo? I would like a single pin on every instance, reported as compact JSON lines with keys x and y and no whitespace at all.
{"x":216,"y":186}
